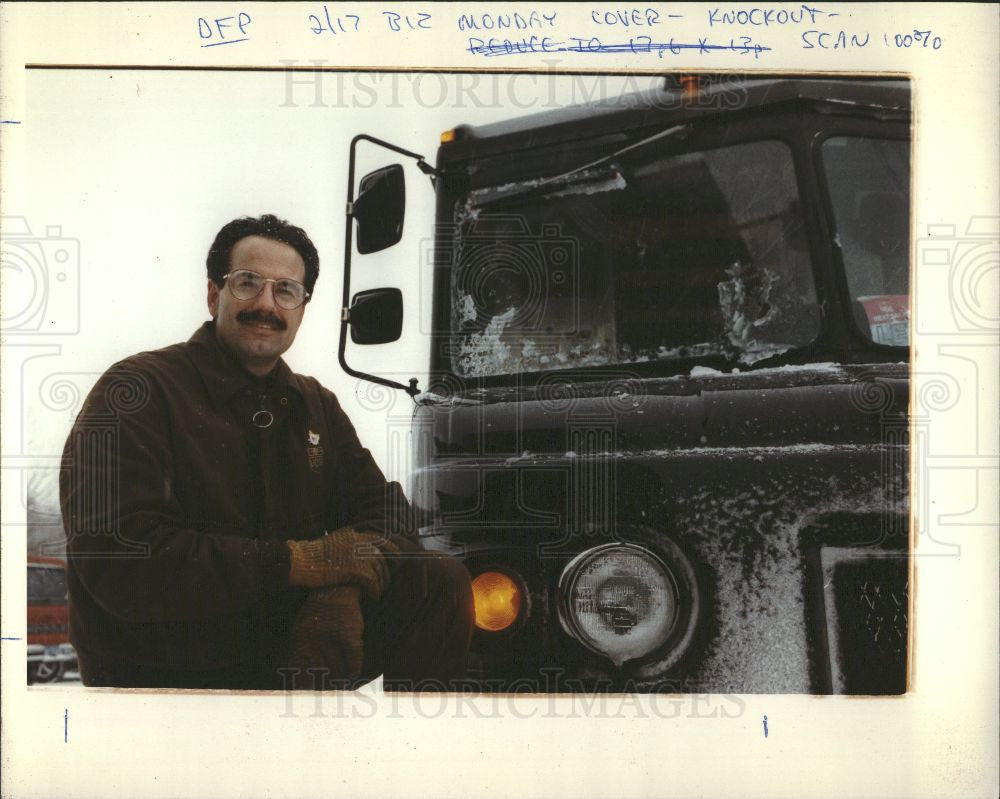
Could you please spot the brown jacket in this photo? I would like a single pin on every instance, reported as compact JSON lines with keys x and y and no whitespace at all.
{"x":176,"y":507}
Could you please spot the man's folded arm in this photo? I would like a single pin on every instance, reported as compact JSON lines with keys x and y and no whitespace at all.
{"x":125,"y":530}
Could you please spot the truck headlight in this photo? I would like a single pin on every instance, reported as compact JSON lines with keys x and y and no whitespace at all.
{"x":623,"y":601}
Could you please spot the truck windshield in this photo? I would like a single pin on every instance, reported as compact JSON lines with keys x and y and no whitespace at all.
{"x":661,"y":258}
{"x":869,"y":183}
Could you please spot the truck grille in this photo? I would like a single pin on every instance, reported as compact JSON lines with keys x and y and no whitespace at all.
{"x":870,"y":619}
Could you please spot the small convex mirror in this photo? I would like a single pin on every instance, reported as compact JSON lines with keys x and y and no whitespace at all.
{"x":379,"y":209}
{"x":376,"y":316}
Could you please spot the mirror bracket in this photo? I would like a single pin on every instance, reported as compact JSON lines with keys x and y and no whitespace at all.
{"x":345,"y":315}
{"x":428,"y":170}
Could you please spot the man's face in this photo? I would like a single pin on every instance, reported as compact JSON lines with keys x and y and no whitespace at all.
{"x":258,"y":331}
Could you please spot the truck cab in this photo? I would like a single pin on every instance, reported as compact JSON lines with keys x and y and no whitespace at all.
{"x":666,"y":423}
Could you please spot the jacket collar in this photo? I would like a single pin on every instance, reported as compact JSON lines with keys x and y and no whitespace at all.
{"x":222,"y":374}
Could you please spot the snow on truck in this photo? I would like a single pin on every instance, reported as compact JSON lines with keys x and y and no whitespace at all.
{"x":666,"y":421}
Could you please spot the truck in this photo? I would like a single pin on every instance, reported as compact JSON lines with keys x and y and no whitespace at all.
{"x":666,"y":421}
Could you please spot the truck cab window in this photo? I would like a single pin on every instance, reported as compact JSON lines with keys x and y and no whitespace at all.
{"x":869,"y":183}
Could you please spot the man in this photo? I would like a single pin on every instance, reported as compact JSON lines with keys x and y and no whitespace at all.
{"x":225,"y":527}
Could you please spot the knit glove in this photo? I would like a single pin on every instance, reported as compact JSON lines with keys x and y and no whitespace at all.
{"x":343,"y":557}
{"x":327,"y":633}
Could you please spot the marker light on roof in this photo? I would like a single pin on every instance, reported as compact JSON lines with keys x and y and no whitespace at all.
{"x":690,"y":84}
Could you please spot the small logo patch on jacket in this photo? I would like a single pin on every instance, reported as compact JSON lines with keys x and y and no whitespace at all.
{"x":315,"y":452}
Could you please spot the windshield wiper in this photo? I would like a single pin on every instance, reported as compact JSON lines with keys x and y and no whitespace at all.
{"x":663,"y":134}
{"x":531,"y":188}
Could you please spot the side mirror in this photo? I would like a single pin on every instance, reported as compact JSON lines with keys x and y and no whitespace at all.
{"x":376,"y":316}
{"x":379,"y":209}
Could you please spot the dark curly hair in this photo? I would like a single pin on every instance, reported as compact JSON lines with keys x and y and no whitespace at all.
{"x":270,"y":227}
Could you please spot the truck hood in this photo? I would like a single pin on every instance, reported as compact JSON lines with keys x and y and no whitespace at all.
{"x":809,"y":404}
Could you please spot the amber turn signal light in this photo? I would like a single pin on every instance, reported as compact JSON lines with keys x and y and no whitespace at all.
{"x":498,"y":601}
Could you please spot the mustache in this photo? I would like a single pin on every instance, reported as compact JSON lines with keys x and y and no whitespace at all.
{"x":261,"y":317}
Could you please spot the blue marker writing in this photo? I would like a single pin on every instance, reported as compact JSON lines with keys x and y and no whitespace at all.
{"x":515,"y":21}
{"x":744,"y":45}
{"x":627,"y":17}
{"x":765,"y":726}
{"x":333,"y":23}
{"x":422,"y":21}
{"x":222,"y":24}
{"x":765,"y":16}
{"x":526,"y":44}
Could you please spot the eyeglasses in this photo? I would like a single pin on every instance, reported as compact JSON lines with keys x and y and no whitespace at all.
{"x":245,"y":285}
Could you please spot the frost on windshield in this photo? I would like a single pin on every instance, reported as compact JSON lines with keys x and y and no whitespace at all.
{"x":501,"y":349}
{"x":762,"y":316}
{"x":485,"y":353}
{"x":584,"y":182}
